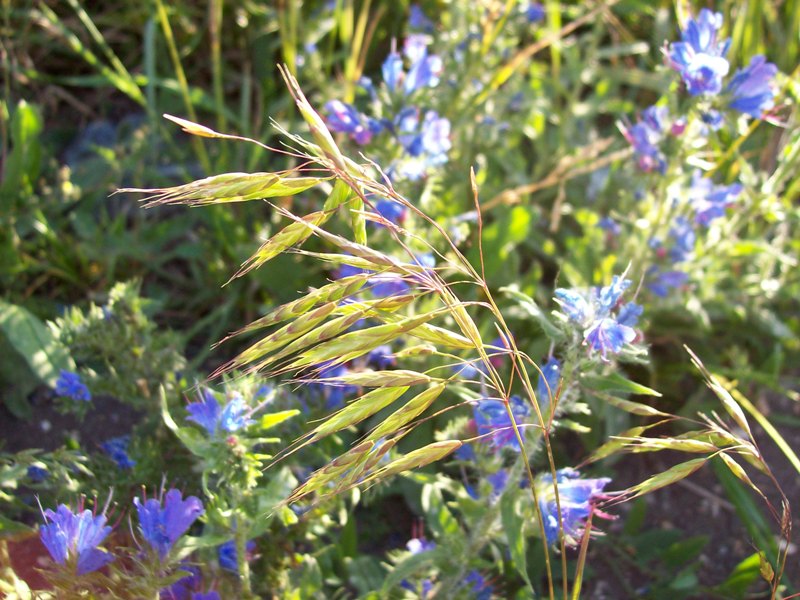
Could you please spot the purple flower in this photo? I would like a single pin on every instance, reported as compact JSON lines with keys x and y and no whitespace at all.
{"x":208,"y":414}
{"x":712,"y":118}
{"x":491,"y":417}
{"x":69,"y":385}
{"x":684,"y":236}
{"x":391,"y":211}
{"x":498,"y":482}
{"x":752,"y":89}
{"x":419,"y":545}
{"x":699,"y":57}
{"x":425,"y":69}
{"x":608,"y":334}
{"x":629,"y":314}
{"x":162,"y":526}
{"x":212,"y":595}
{"x":382,"y":358}
{"x":70,"y":536}
{"x":418,"y":20}
{"x":117,"y":449}
{"x":184,"y":588}
{"x":392,"y":70}
{"x":228,"y":557}
{"x":478,"y":586}
{"x":610,"y":294}
{"x":344,"y":118}
{"x":573,"y":304}
{"x":575,"y":496}
{"x":645,"y":137}
{"x":549,"y":379}
{"x":37,"y":474}
{"x":609,"y":225}
{"x":535,"y":12}
{"x":436,"y":137}
{"x":710,"y":201}
{"x":663,"y":281}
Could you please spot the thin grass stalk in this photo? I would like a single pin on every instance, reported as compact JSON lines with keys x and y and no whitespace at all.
{"x":180,"y":75}
{"x":215,"y":14}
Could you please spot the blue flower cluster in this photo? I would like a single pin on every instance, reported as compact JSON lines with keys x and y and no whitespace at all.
{"x":69,"y":385}
{"x":117,"y":450}
{"x":421,"y":134}
{"x":492,"y":420}
{"x":700,"y":58}
{"x":576,"y":497}
{"x":208,"y":413}
{"x":602,"y":330}
{"x":188,"y":588}
{"x":228,"y":557}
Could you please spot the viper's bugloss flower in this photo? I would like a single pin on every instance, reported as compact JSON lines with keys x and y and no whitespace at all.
{"x":479,"y":588}
{"x":608,"y":334}
{"x":426,"y":143}
{"x":425,"y":68}
{"x":491,"y":417}
{"x":712,"y":118}
{"x":185,"y":587}
{"x":549,"y":379}
{"x":162,"y":526}
{"x":382,"y":358}
{"x":422,"y":590}
{"x":535,"y":12}
{"x":699,"y":57}
{"x":393,"y":212}
{"x":610,"y":226}
{"x":629,"y":314}
{"x":498,"y":482}
{"x":69,"y":385}
{"x":602,"y":331}
{"x":228,"y":557}
{"x":645,"y":137}
{"x":418,"y":20}
{"x":117,"y":450}
{"x":208,"y":413}
{"x":710,"y":201}
{"x":212,"y":595}
{"x":419,"y":545}
{"x":344,"y":118}
{"x":37,"y":474}
{"x":76,"y":537}
{"x":661,"y":282}
{"x":752,"y":88}
{"x":333,"y":393}
{"x":576,"y":497}
{"x":684,"y":237}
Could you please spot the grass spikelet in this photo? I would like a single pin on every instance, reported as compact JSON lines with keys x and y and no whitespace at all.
{"x":416,"y":458}
{"x":412,"y":409}
{"x":665,"y":478}
{"x":363,"y":408}
{"x":398,"y":378}
{"x":228,"y":187}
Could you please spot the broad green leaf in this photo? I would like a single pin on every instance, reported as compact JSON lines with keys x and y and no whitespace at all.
{"x":31,"y":338}
{"x":616,"y":383}
{"x":271,"y":420}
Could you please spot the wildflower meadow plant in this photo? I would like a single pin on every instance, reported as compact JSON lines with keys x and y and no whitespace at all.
{"x":72,"y":538}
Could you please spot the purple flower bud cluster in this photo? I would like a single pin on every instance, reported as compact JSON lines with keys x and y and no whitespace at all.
{"x":117,"y":450}
{"x":646,"y":136}
{"x":69,"y":385}
{"x":602,"y":330}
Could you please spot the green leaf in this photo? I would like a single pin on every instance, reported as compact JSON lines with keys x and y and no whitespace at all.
{"x":616,"y":383}
{"x":31,"y":338}
{"x":271,"y":420}
{"x":514,"y":527}
{"x":529,"y":305}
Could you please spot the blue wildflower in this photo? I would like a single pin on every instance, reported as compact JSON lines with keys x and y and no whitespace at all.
{"x":344,"y":118}
{"x":393,"y":212}
{"x":629,"y":314}
{"x":573,"y":304}
{"x":712,"y":118}
{"x":235,"y":414}
{"x":418,"y":20}
{"x":208,"y":414}
{"x":575,"y":497}
{"x":699,"y":57}
{"x":710,"y":201}
{"x":752,"y":89}
{"x":37,"y":474}
{"x":610,"y":294}
{"x":425,"y":69}
{"x":422,"y":590}
{"x":75,"y":537}
{"x":609,"y":334}
{"x":610,"y":226}
{"x":419,"y":545}
{"x":480,"y":588}
{"x":491,"y":417}
{"x":184,"y":588}
{"x":69,"y":385}
{"x":535,"y":12}
{"x":228,"y":557}
{"x":212,"y":595}
{"x":645,"y":137}
{"x":548,"y":383}
{"x":392,"y":70}
{"x":498,"y":482}
{"x":663,"y":281}
{"x":684,"y":237}
{"x":117,"y":449}
{"x":162,"y":526}
{"x":382,"y":358}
